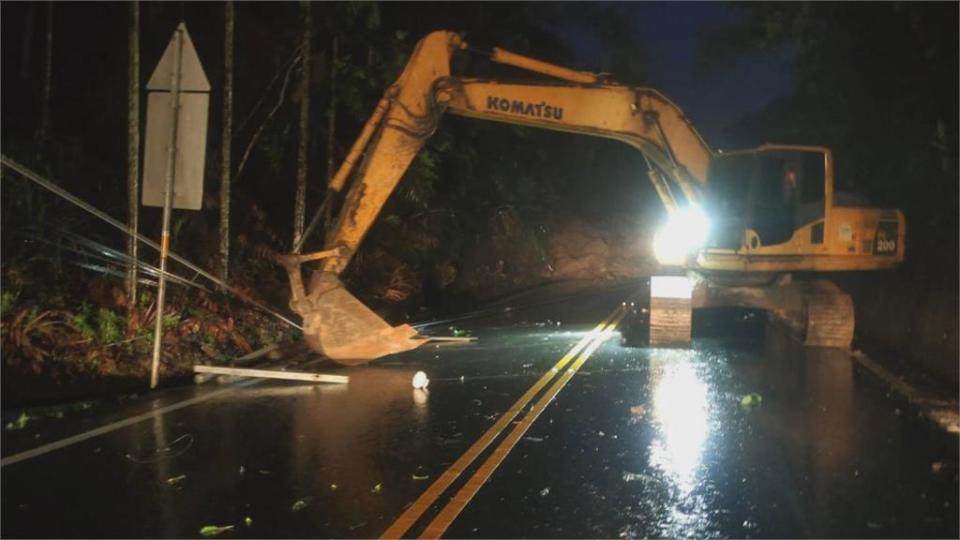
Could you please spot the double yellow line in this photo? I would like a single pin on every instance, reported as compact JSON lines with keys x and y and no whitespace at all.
{"x":584,"y":348}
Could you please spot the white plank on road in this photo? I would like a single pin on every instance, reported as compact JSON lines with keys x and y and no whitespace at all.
{"x":273,"y":374}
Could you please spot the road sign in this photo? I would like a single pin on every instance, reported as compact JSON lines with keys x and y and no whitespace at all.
{"x":191,"y":137}
{"x":176,"y":147}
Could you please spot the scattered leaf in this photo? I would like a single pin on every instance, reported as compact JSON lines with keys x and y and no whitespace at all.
{"x":300,"y":504}
{"x":213,"y":530}
{"x":377,"y":488}
{"x":176,"y":480}
{"x":19,"y":423}
{"x":751,"y":400}
{"x":420,"y":473}
{"x":333,"y":487}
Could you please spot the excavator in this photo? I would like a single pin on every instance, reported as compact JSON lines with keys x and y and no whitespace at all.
{"x":740,"y":223}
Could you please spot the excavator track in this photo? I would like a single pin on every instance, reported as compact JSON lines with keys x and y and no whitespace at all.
{"x":815,"y":313}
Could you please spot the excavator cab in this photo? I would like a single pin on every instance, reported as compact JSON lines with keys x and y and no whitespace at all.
{"x":772,"y":209}
{"x":773,"y":193}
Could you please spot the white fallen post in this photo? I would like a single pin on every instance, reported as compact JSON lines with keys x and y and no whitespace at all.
{"x":272,"y":374}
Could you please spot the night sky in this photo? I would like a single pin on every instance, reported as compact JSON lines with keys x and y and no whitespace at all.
{"x":668,"y":32}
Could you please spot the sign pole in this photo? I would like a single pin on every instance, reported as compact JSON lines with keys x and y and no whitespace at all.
{"x":167,"y":204}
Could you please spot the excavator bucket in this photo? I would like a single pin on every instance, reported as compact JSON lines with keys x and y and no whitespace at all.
{"x":349,"y":333}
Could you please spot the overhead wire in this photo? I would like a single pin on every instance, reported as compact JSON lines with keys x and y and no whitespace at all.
{"x":76,"y":201}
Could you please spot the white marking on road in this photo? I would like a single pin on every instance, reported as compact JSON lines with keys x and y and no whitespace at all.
{"x":102,"y":430}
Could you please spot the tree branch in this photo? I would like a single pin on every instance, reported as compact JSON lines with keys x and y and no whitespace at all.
{"x":256,"y":135}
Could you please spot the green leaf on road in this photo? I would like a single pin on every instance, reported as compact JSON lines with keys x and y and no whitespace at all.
{"x":213,"y":530}
{"x":19,"y":423}
{"x":750,"y":401}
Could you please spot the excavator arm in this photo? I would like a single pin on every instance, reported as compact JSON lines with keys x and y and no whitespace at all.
{"x":341,"y":327}
{"x":411,"y":109}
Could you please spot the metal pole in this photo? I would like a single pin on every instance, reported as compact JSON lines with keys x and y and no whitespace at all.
{"x":167,"y":204}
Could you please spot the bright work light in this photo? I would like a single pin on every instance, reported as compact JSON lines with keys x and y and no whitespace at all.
{"x":685,"y":231}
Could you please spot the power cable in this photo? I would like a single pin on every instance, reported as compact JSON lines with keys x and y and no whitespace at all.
{"x":59,"y":191}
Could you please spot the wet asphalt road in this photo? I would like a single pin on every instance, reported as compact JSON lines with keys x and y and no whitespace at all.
{"x":641,"y":443}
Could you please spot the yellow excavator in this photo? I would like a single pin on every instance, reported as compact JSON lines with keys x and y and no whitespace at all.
{"x":739,"y":222}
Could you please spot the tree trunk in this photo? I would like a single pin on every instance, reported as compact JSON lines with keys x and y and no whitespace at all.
{"x":331,"y":127}
{"x":228,"y":24}
{"x":27,"y":46}
{"x":47,"y":79}
{"x":300,"y":202}
{"x":133,"y":149}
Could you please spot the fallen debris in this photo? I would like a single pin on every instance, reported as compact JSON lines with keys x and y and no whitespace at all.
{"x":420,"y":380}
{"x":300,"y":504}
{"x":452,"y":339}
{"x":173,"y":481}
{"x":632,"y":477}
{"x":19,"y":423}
{"x":214,"y":530}
{"x":272,"y":374}
{"x":248,"y":521}
{"x":420,"y":474}
{"x":750,"y":401}
{"x":377,"y":488}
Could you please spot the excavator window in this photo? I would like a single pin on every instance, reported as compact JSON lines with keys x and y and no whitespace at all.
{"x":728,"y":199}
{"x":773,"y":192}
{"x":788,"y":194}
{"x":812,"y":189}
{"x":775,"y":198}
